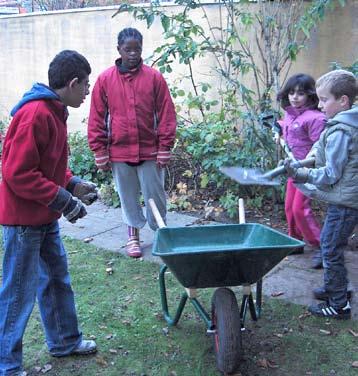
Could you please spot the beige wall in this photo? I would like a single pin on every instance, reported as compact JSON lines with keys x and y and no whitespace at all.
{"x":29,"y":42}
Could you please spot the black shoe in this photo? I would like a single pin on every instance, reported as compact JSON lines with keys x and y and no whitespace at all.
{"x":317,"y":260}
{"x":325,"y":310}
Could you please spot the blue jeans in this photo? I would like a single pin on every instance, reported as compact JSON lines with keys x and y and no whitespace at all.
{"x":35,"y":264}
{"x":338,"y":226}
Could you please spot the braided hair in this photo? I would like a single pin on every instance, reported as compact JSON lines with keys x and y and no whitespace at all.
{"x":129,"y":33}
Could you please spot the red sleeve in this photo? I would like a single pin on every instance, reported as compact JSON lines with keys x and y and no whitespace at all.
{"x":97,"y":129}
{"x":166,"y":115}
{"x":22,"y":168}
{"x":68,"y":176}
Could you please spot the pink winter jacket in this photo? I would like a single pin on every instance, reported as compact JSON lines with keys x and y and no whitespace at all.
{"x":301,"y":128}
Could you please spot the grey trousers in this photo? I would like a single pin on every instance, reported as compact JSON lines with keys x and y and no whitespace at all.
{"x":130,"y":182}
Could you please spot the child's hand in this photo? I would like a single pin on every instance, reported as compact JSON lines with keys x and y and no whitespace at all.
{"x":299,"y":175}
{"x":163,"y":158}
{"x":102,"y":162}
{"x":86,"y":192}
{"x":74,"y":210}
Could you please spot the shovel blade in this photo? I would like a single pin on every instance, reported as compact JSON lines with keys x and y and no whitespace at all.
{"x":248,"y":176}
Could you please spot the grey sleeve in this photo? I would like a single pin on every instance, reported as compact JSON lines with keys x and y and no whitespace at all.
{"x":336,"y":151}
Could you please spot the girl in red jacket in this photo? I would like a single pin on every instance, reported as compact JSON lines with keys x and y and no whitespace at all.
{"x":131,"y":130}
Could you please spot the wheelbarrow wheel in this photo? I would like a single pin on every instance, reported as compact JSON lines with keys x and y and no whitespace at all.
{"x":227,"y":339}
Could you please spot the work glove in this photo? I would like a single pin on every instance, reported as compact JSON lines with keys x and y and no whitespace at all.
{"x":163,"y":158}
{"x":299,"y":175}
{"x":74,"y":210}
{"x":102,"y":162}
{"x":66,"y":204}
{"x":86,"y":192}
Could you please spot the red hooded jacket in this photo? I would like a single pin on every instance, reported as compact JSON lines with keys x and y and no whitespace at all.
{"x":132,"y":115}
{"x":34,"y":163}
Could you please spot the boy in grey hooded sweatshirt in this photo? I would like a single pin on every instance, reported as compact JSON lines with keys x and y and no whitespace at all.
{"x":335,"y":181}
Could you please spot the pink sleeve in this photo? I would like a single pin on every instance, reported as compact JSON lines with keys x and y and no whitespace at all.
{"x":316,"y":127}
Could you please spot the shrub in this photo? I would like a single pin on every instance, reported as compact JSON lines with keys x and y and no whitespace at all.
{"x":81,"y":162}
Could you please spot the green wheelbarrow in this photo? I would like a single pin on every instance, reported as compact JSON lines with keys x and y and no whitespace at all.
{"x":220,"y":256}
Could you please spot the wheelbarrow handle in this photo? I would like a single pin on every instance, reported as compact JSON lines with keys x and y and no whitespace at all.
{"x":281,"y":169}
{"x":157,"y":216}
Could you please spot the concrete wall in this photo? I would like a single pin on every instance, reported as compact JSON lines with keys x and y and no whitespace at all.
{"x":29,"y":42}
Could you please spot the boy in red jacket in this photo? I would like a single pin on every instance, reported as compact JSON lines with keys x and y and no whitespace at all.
{"x":131,"y":130}
{"x":36,"y":189}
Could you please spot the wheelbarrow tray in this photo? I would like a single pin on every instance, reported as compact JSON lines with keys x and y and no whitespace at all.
{"x":222,"y":255}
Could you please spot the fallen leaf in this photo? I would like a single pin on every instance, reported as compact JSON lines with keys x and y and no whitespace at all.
{"x":113,"y":351}
{"x":101,"y":361}
{"x":279,"y":293}
{"x":354,"y":334}
{"x":37,"y":369}
{"x":46,"y":368}
{"x":355,"y":364}
{"x":279,"y":335}
{"x":265,"y":363}
{"x":326,"y":332}
{"x":304,"y":315}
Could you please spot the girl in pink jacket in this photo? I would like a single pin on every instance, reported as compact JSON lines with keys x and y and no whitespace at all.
{"x":301,"y":127}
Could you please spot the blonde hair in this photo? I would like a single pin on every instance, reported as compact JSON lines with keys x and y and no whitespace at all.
{"x":340,"y":82}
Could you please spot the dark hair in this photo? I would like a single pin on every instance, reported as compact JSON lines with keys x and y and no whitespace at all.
{"x":129,"y":33}
{"x":305,"y":83}
{"x":66,"y":66}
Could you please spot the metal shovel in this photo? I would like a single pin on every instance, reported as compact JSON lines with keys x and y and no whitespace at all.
{"x":252,"y":176}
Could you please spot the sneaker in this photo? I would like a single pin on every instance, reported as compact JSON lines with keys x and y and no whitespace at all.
{"x":85,"y":347}
{"x":325,"y":310}
{"x":321,"y":294}
{"x":317,"y":262}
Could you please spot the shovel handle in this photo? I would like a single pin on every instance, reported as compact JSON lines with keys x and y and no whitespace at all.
{"x":281,"y":169}
{"x":157,"y":216}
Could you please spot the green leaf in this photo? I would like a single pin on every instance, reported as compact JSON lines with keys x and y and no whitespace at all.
{"x":165,"y":22}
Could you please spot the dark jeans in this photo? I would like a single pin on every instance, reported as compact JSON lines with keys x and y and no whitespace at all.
{"x":338,"y":226}
{"x":35,"y":264}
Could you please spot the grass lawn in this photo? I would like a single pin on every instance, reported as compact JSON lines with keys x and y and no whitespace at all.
{"x":122,"y":312}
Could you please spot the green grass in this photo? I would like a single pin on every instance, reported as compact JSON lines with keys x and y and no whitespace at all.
{"x":122,"y":312}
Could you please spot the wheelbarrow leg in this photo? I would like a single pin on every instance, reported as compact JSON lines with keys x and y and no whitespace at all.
{"x":258,"y":298}
{"x":163,"y":295}
{"x":248,"y":302}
